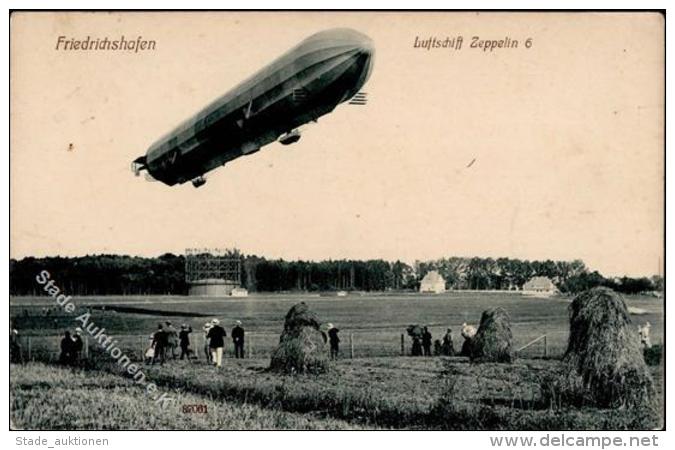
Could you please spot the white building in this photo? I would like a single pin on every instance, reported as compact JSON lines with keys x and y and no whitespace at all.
{"x":239,"y":292}
{"x":432,"y":282}
{"x":540,"y":286}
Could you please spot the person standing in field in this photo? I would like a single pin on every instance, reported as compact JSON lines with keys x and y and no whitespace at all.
{"x":150,"y":351}
{"x":78,"y":345}
{"x":66,"y":356}
{"x":447,"y":347}
{"x":238,"y":339}
{"x":15,"y":355}
{"x":334,"y":341}
{"x":207,"y":349}
{"x":416,"y":346}
{"x":159,"y":342}
{"x":216,"y":337}
{"x":643,"y":332}
{"x":426,"y":342}
{"x":172,"y":338}
{"x":184,"y":338}
{"x":468,"y":333}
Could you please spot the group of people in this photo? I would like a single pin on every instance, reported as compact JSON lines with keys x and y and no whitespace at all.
{"x":214,"y":341}
{"x":422,"y":341}
{"x":166,"y":339}
{"x":71,"y":347}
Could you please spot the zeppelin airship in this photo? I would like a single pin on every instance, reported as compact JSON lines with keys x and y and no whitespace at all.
{"x":307,"y":82}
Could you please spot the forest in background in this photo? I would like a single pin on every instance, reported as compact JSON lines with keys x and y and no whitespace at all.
{"x":165,"y":275}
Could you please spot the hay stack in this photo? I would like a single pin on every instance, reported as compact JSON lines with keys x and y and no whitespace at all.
{"x":415,"y":331}
{"x":604,"y":352}
{"x":301,"y":346}
{"x":493,"y":341}
{"x":301,"y":316}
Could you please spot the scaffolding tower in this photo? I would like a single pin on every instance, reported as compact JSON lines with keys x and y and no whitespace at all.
{"x":212,"y":271}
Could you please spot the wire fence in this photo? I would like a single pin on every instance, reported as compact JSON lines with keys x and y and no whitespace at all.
{"x":355,"y":344}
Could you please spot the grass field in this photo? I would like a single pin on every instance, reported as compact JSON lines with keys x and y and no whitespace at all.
{"x":377,"y":389}
{"x":368,"y":393}
{"x":375,"y":321}
{"x":53,"y":398}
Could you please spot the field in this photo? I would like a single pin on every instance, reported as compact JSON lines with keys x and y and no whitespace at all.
{"x":376,"y":389}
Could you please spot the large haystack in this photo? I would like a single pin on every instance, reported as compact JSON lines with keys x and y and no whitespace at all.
{"x":493,"y":341}
{"x":301,"y":346}
{"x":604,"y":352}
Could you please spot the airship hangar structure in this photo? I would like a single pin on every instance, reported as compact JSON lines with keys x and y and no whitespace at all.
{"x":307,"y":82}
{"x":213,"y":272}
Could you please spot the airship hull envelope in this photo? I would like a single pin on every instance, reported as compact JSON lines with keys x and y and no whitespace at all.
{"x":305,"y":83}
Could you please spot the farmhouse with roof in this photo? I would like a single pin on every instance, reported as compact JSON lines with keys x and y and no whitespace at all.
{"x":432,"y":282}
{"x":540,"y":286}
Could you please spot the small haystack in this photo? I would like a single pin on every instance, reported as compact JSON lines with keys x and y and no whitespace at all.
{"x":415,"y":331}
{"x":493,"y":341}
{"x":301,"y":346}
{"x":604,"y":352}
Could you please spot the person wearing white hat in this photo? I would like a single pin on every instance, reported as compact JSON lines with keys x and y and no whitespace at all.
{"x":468,"y":331}
{"x":78,"y":345}
{"x":238,"y":339}
{"x":150,"y":351}
{"x":643,"y":332}
{"x":216,"y":337}
{"x":15,"y":355}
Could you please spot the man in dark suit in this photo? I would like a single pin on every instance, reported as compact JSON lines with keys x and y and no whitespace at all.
{"x":238,"y":339}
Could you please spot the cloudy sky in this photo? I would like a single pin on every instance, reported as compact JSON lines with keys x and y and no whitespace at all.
{"x":566,"y":138}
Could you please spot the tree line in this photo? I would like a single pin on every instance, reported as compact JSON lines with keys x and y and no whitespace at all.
{"x":165,"y":275}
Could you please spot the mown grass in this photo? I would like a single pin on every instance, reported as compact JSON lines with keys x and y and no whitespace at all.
{"x":404,"y":393}
{"x":51,"y":398}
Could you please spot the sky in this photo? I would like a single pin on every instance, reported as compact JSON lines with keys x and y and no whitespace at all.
{"x":566,"y":139}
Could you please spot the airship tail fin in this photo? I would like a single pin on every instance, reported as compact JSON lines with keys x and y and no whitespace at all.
{"x":361,"y":98}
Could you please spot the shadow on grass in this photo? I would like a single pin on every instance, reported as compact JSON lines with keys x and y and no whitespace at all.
{"x":150,"y":312}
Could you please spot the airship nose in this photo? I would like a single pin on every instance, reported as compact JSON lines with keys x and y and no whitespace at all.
{"x":354,"y":51}
{"x":345,"y":37}
{"x":359,"y":40}
{"x":367,"y":53}
{"x":366,"y":45}
{"x":363,"y":47}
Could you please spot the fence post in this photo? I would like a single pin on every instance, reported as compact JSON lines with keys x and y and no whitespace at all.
{"x":86,"y":347}
{"x":545,"y":347}
{"x":249,"y":346}
{"x":351,"y":345}
{"x":30,"y":357}
{"x":402,"y":345}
